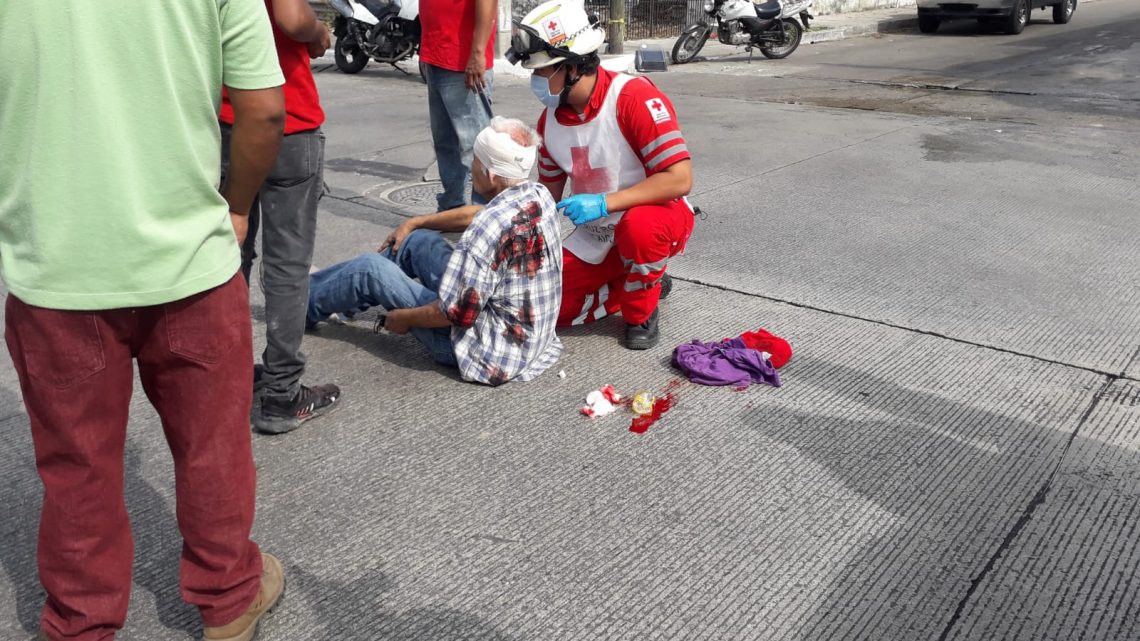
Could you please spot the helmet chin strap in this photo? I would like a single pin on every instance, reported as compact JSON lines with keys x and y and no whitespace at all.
{"x":564,"y":95}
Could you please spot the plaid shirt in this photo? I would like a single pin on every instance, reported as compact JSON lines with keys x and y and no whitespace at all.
{"x":503,"y":286}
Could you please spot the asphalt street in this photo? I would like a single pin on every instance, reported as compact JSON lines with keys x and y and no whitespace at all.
{"x":942,"y":226}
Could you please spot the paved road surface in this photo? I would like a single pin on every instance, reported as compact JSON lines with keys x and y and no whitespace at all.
{"x":944,"y":227}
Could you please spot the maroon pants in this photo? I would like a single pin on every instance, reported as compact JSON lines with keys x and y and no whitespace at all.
{"x":75,"y":368}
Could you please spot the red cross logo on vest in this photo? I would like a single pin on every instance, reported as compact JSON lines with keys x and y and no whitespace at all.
{"x":657,"y":106}
{"x":588,"y":179}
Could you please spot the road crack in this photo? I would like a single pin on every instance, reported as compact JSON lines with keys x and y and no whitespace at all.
{"x":915,"y":330}
{"x":1026,"y":514}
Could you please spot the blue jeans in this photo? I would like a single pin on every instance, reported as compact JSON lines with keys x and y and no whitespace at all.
{"x":457,"y":117}
{"x":389,"y":282}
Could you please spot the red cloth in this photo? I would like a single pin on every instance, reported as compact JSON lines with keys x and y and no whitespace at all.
{"x":75,"y":374}
{"x":765,"y":341}
{"x":646,"y":237}
{"x":448,"y":31}
{"x":645,"y":115}
{"x":302,"y":103}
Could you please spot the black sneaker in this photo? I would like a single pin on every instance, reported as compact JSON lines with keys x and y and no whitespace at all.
{"x":666,"y":286}
{"x":279,"y":417}
{"x":642,"y":336}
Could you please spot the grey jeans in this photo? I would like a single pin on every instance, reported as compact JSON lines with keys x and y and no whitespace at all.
{"x":285,"y":212}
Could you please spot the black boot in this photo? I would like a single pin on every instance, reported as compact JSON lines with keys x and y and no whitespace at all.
{"x":666,"y":286}
{"x":642,"y":336}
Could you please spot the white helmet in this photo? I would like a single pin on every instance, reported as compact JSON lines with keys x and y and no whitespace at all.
{"x":553,"y":32}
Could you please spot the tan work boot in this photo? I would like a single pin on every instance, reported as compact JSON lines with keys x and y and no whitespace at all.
{"x":243,"y":629}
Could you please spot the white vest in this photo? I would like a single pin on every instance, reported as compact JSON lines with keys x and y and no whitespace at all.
{"x":598,"y":160}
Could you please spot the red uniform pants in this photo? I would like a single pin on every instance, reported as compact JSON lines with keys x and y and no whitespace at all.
{"x":629,"y":279}
{"x":196,"y":365}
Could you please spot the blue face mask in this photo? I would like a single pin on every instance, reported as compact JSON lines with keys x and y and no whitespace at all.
{"x":540,"y":87}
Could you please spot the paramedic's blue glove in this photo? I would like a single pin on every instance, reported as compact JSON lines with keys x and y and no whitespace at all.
{"x":583,"y":208}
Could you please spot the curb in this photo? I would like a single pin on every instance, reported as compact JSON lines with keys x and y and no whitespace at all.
{"x":833,"y":34}
{"x":821,"y":31}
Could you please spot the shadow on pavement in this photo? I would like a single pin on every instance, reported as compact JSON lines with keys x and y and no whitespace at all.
{"x":355,"y":610}
{"x":1063,"y":40}
{"x":402,"y":351}
{"x":375,"y":70}
{"x":157,"y":540}
{"x":954,"y":477}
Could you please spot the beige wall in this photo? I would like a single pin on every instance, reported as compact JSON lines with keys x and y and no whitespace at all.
{"x":823,"y":7}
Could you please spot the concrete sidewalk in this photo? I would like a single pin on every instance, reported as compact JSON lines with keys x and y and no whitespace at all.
{"x":828,"y":28}
{"x":825,"y":28}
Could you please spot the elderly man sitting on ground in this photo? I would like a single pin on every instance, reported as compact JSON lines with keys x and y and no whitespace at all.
{"x":489,"y":305}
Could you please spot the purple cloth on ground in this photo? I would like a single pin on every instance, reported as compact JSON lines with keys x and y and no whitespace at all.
{"x":729,"y":362}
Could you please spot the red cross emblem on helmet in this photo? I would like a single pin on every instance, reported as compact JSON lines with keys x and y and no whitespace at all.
{"x":555,"y":33}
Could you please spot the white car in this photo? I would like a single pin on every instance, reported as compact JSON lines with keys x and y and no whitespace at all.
{"x":1011,"y":15}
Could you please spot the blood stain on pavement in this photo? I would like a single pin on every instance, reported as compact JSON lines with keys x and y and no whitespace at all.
{"x":641,"y":424}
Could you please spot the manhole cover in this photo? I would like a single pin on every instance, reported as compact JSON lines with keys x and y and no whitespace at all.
{"x":416,"y":196}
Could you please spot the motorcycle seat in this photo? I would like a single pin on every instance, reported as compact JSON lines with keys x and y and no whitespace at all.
{"x":770,"y":9}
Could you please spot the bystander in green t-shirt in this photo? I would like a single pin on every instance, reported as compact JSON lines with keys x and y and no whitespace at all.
{"x":110,"y":148}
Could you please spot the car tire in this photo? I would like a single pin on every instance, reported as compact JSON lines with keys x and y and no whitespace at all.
{"x":1063,"y":11}
{"x":1018,"y":17}
{"x":928,"y":24}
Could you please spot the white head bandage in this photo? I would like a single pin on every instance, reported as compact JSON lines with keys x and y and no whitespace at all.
{"x":504,"y":157}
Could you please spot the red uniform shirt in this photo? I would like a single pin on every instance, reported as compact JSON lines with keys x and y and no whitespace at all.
{"x":448,"y":29}
{"x":302,"y":103}
{"x":645,"y":116}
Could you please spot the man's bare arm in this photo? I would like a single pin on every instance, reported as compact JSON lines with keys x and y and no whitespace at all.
{"x":674,"y":182}
{"x":454,"y":220}
{"x":259,"y":122}
{"x":485,"y":11}
{"x":297,"y":20}
{"x":400,"y":321}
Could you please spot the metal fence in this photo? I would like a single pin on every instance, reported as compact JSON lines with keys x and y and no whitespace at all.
{"x":643,"y":18}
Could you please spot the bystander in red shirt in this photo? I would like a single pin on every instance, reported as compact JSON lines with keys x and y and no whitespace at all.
{"x":448,"y":27}
{"x":303,"y":110}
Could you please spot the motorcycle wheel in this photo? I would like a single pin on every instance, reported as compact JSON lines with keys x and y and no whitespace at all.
{"x":350,"y":59}
{"x":690,"y":43}
{"x":793,"y":33}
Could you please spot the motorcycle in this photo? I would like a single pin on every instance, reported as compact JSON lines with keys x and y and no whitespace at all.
{"x":770,"y":27}
{"x":382,"y":30}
